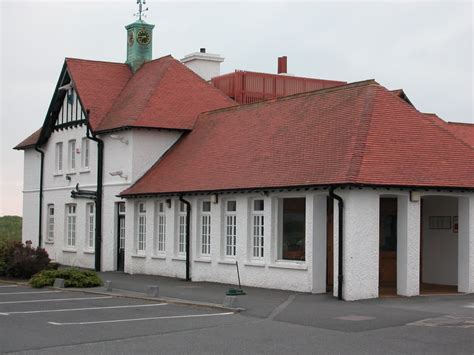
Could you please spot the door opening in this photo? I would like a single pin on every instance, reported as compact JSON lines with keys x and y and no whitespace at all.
{"x":388,"y":246}
{"x":120,"y":236}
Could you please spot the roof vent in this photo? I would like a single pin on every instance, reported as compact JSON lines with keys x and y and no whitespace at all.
{"x":282,"y":65}
{"x":202,"y":50}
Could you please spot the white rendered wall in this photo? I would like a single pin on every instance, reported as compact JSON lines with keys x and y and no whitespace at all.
{"x":408,"y":246}
{"x":361,"y":244}
{"x":440,"y":246}
{"x":133,"y":159}
{"x":466,"y":244}
{"x":267,"y":272}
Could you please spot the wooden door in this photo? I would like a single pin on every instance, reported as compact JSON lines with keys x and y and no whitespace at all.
{"x":388,"y":242}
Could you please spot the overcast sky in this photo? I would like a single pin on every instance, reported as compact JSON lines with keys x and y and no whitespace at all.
{"x":423,"y":47}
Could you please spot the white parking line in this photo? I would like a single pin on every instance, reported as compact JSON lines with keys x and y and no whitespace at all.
{"x":58,"y":300}
{"x":469,"y":305}
{"x":85,"y":309}
{"x":8,"y":286}
{"x":23,"y":293}
{"x":142,"y":319}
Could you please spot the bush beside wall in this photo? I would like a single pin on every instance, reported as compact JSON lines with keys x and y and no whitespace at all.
{"x":22,"y":260}
{"x":72,"y":278}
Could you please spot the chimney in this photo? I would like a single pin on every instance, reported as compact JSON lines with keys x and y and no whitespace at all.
{"x":282,"y":65}
{"x":206,"y":65}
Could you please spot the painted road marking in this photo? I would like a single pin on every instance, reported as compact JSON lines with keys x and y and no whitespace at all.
{"x":470,"y":305}
{"x":23,"y":293}
{"x":143,"y":319}
{"x":58,"y":300}
{"x":85,"y":309}
{"x":8,"y":286}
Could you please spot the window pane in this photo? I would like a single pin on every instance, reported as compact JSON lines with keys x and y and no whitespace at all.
{"x":258,"y":205}
{"x":293,"y":236}
{"x":206,"y":206}
{"x":231,"y":206}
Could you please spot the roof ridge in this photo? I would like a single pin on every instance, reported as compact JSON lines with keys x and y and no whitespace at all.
{"x":94,"y":61}
{"x":301,"y":94}
{"x":359,"y":145}
{"x":446,"y":130}
{"x":125,"y":86}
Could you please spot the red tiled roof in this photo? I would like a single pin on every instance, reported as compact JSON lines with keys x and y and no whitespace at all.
{"x":464,"y":131}
{"x":355,"y":134}
{"x":29,"y":142}
{"x":98,"y":84}
{"x":163,"y":93}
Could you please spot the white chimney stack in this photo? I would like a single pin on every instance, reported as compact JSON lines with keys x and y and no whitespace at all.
{"x":206,"y":65}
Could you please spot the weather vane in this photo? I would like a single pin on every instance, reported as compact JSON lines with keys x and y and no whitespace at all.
{"x":141,"y":10}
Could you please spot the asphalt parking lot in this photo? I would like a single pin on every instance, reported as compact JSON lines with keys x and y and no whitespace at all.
{"x":51,"y":321}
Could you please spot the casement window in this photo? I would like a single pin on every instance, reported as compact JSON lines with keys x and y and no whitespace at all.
{"x":206,"y":228}
{"x":59,"y":158}
{"x":182,"y":228}
{"x":90,"y":226}
{"x":141,"y":227}
{"x":121,"y":212}
{"x":160,"y":238}
{"x":71,"y":226}
{"x":292,"y":222}
{"x":230,"y":227}
{"x":71,"y":155}
{"x":85,"y":154}
{"x":50,"y":223}
{"x":258,"y":219}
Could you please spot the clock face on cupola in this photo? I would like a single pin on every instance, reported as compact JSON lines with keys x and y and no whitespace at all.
{"x":139,"y":40}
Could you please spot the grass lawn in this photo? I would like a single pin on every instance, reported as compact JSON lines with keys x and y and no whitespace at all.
{"x":10,"y":228}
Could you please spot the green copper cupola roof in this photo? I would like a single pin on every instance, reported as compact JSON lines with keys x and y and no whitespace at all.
{"x":139,"y":39}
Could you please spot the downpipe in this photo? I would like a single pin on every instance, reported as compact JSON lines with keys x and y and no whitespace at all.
{"x":188,"y":237}
{"x":340,"y":276}
{"x":40,"y":217}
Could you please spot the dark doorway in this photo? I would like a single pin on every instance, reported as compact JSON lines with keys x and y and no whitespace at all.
{"x":330,"y":244}
{"x":121,"y":236}
{"x":388,"y":245}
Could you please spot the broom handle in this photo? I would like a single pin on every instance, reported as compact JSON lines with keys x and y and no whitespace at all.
{"x":238,"y":274}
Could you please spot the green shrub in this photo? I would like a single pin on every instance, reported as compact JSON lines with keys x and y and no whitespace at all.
{"x":22,"y":260}
{"x":72,"y":278}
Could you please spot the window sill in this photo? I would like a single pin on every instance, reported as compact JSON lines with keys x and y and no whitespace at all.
{"x":85,"y":171}
{"x":255,"y":263}
{"x":288,"y":265}
{"x":88,"y":251}
{"x":179,"y":258}
{"x":139,"y":256}
{"x":70,"y":173}
{"x":159,"y":257}
{"x":48,"y":242}
{"x":226,"y":262}
{"x":202,"y":261}
{"x":58,"y":174}
{"x":69,"y":251}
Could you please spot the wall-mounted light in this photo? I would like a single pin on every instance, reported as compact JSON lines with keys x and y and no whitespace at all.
{"x":68,"y":177}
{"x":66,"y":87}
{"x":121,"y":139}
{"x":168,"y":202}
{"x":415,"y":196}
{"x":119,"y":173}
{"x":214,"y":198}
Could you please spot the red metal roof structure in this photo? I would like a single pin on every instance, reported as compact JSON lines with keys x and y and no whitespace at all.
{"x":247,"y":87}
{"x":360,"y":134}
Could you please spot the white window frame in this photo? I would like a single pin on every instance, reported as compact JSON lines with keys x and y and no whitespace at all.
{"x":71,"y":224}
{"x":50,"y":223}
{"x":205,"y":230}
{"x":160,"y":230}
{"x":141,"y":228}
{"x":59,"y":158}
{"x":90,"y":226}
{"x":181,"y":228}
{"x":257,"y":230}
{"x":85,"y":154}
{"x":230,"y":229}
{"x":71,"y":156}
{"x":121,"y":231}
